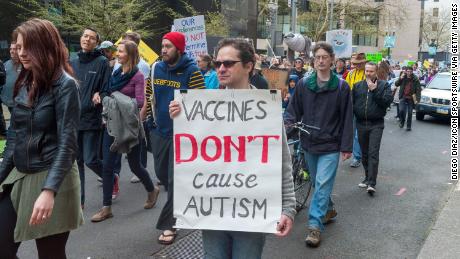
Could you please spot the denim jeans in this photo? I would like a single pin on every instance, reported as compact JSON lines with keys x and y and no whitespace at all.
{"x":143,"y":146}
{"x":88,"y":146}
{"x":232,"y":244}
{"x":356,"y":147}
{"x":109,"y":163}
{"x":405,"y":111}
{"x":323,"y":169}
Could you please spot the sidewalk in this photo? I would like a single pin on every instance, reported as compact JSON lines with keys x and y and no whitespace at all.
{"x":443,"y":239}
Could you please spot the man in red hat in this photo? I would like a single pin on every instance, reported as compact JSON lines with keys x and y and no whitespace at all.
{"x":176,"y":71}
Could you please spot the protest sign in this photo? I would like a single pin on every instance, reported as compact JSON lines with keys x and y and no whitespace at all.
{"x":227,"y":160}
{"x":374,"y":57}
{"x":144,"y":51}
{"x":276,"y":78}
{"x":195,"y":34}
{"x":341,"y":41}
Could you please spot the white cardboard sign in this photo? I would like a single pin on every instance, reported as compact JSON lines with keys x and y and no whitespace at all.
{"x":195,"y":34}
{"x":227,"y":160}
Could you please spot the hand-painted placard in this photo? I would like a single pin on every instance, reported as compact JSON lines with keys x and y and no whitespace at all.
{"x":227,"y":160}
{"x":341,"y":41}
{"x":195,"y":34}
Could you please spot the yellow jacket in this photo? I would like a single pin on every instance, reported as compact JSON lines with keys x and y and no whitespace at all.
{"x":354,"y":76}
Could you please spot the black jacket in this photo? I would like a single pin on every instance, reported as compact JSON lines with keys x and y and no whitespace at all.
{"x":92,"y":70}
{"x":371,"y":106}
{"x":2,"y":74}
{"x":416,"y":88}
{"x":329,"y":110}
{"x":259,"y":81}
{"x":45,"y":135}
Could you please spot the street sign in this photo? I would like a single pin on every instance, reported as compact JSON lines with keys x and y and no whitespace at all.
{"x":389,"y":42}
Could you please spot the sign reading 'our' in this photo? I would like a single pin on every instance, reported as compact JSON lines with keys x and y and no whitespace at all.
{"x":195,"y":34}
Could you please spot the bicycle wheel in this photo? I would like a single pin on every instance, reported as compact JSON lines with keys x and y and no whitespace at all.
{"x":302,"y":182}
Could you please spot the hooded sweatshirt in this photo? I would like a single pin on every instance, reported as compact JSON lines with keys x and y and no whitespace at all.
{"x":92,"y":70}
{"x":184,"y":75}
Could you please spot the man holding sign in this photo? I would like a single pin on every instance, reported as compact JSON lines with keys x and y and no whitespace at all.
{"x":234,"y":63}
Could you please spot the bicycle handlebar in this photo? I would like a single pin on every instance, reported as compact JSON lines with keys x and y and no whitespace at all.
{"x":301,"y":126}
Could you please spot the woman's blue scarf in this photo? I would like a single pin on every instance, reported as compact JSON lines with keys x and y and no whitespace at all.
{"x":119,"y":80}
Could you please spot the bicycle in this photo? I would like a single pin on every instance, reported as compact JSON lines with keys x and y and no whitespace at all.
{"x":300,"y":174}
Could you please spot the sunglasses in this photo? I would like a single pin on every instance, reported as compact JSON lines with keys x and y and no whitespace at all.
{"x":226,"y":63}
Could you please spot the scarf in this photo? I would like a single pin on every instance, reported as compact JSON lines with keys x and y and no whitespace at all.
{"x":119,"y":80}
{"x":312,"y":82}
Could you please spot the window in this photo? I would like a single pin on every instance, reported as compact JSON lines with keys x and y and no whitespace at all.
{"x":434,"y":27}
{"x":435,"y":12}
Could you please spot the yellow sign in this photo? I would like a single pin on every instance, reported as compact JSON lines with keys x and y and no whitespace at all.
{"x":144,"y":51}
{"x":426,"y":64}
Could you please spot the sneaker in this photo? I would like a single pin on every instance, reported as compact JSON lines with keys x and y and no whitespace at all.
{"x":362,"y":184}
{"x":135,"y":179}
{"x":370,"y":190}
{"x":330,"y":216}
{"x":102,"y":214}
{"x":408,"y":129}
{"x":314,"y":237}
{"x":401,"y":124}
{"x":355,"y":163}
{"x":116,"y":188}
{"x":152,"y":198}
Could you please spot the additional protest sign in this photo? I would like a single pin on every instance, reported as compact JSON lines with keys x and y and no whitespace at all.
{"x":227,"y":160}
{"x":389,"y":42}
{"x":374,"y":57}
{"x":276,"y":78}
{"x":195,"y":34}
{"x":341,"y":41}
{"x":144,"y":51}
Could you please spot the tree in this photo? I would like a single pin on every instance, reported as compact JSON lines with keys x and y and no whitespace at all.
{"x":364,"y":17}
{"x":437,"y":29}
{"x":111,"y":18}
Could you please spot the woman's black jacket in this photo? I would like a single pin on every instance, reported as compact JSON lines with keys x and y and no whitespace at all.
{"x":43,"y":136}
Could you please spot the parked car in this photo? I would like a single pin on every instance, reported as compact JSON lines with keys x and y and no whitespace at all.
{"x":435,"y":99}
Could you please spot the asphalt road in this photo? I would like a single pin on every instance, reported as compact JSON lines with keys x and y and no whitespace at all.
{"x":384,"y":226}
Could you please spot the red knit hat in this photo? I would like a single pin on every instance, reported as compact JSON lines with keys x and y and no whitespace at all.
{"x":177,"y":39}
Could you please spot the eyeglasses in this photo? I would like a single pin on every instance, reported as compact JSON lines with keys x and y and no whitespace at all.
{"x":226,"y":63}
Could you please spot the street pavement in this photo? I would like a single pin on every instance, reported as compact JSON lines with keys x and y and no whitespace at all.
{"x":413,"y":187}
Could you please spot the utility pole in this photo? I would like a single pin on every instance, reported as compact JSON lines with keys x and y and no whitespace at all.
{"x":293,"y":15}
{"x":422,"y":19}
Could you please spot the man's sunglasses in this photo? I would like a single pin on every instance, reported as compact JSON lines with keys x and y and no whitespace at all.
{"x":226,"y":63}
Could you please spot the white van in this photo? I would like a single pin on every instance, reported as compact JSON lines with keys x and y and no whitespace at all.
{"x":435,"y":99}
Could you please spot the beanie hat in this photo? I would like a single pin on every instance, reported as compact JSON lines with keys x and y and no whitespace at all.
{"x":177,"y":39}
{"x":293,"y":77}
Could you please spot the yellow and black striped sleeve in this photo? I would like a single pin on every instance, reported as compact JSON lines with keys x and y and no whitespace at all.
{"x":196,"y":80}
{"x":148,"y":96}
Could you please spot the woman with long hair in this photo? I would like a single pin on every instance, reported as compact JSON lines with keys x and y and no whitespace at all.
{"x":39,"y":182}
{"x":204,"y":62}
{"x":129,"y":81}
